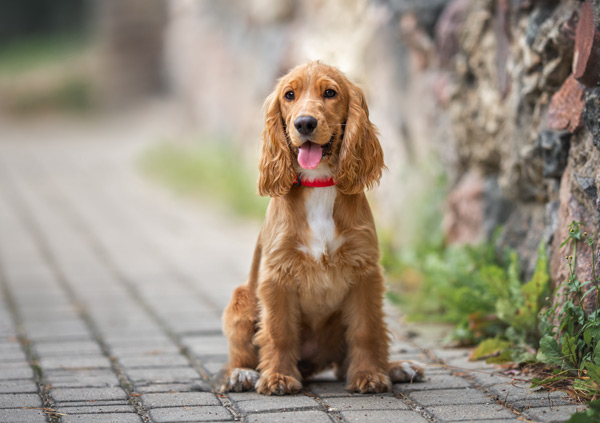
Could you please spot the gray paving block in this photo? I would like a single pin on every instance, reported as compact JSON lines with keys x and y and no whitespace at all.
{"x":17,"y":415}
{"x":71,"y":348}
{"x":178,"y":399}
{"x":154,"y":360}
{"x":273,"y":403}
{"x":190,"y":414}
{"x":308,"y":416}
{"x":82,"y":362}
{"x":451,"y":396}
{"x":11,"y":351}
{"x":18,"y":386}
{"x":434,"y":381}
{"x":163,"y":375}
{"x":471,"y":412}
{"x":167,"y":387}
{"x":383,"y":416}
{"x":102,"y":418}
{"x":559,"y":413}
{"x":97,"y":378}
{"x":18,"y":370}
{"x":96,"y":409}
{"x":20,"y":400}
{"x":206,"y":345}
{"x":374,"y":402}
{"x":328,"y":389}
{"x":88,"y":394}
{"x":522,"y":397}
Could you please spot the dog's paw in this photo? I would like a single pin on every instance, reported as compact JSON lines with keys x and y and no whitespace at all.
{"x":406,"y":371}
{"x":278,"y":384}
{"x":369,"y":383}
{"x":240,"y":380}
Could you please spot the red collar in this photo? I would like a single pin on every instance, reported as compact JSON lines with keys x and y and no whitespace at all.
{"x":315,"y":183}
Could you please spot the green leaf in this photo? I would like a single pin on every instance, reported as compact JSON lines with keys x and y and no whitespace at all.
{"x":569,"y":350}
{"x":537,"y":382}
{"x":597,"y":354}
{"x":593,"y":371}
{"x":488,"y":348}
{"x":549,"y":352}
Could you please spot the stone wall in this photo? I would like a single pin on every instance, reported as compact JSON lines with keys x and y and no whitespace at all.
{"x":490,"y":89}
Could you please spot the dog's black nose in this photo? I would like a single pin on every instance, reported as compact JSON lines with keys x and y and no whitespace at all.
{"x":305,"y":124}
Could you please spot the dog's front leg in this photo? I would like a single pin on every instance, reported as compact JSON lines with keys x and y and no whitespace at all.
{"x":366,"y":334}
{"x":278,"y":339}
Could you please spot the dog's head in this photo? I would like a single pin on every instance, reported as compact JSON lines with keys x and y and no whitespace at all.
{"x":317,"y":119}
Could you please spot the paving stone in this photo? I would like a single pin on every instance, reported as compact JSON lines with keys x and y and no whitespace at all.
{"x":555,"y":414}
{"x":163,"y":375}
{"x":168,"y":387}
{"x":19,"y":400}
{"x":451,"y":396}
{"x":96,"y":409}
{"x":82,"y":378}
{"x":382,"y":416}
{"x":434,"y":381}
{"x":190,"y":414}
{"x":18,"y":386}
{"x":11,"y":352}
{"x":206,"y":345}
{"x":88,"y":394}
{"x":521,"y":396}
{"x":16,"y":415}
{"x":78,"y":362}
{"x":102,"y":418}
{"x":328,"y":389}
{"x":177,"y":399}
{"x":155,"y":360}
{"x":472,"y":412}
{"x":308,"y":416}
{"x":374,"y":402}
{"x":273,"y":403}
{"x":71,"y":348}
{"x":20,"y":370}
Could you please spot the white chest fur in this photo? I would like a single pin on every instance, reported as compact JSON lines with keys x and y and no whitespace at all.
{"x":319,"y":212}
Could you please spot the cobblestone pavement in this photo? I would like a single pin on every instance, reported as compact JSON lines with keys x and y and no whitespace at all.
{"x":111,"y":296}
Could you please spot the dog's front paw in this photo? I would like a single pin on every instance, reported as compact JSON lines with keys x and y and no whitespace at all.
{"x":406,"y":371}
{"x":369,"y":383}
{"x":278,"y":384}
{"x":239,"y":380}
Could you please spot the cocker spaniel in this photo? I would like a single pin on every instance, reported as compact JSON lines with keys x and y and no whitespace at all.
{"x":314,"y":296}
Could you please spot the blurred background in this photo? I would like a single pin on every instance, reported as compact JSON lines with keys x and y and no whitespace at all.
{"x":488,"y":117}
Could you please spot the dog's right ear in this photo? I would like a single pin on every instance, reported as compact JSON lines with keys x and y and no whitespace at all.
{"x":276,"y":171}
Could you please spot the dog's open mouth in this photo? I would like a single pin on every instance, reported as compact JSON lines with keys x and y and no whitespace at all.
{"x":310,"y":153}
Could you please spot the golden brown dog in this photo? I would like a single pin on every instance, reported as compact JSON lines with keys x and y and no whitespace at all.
{"x":315,"y":291}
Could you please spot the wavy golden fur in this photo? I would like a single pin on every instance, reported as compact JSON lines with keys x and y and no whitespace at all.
{"x":315,"y":292}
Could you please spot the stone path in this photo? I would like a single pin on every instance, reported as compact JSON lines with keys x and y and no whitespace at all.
{"x":112,"y":291}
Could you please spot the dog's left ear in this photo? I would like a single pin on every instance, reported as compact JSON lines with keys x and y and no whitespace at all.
{"x":361,"y":157}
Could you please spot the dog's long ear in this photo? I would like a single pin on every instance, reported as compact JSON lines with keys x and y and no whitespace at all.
{"x":361,"y":158}
{"x":275,"y":166}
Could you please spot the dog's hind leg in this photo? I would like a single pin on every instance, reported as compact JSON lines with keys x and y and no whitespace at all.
{"x":239,"y":325}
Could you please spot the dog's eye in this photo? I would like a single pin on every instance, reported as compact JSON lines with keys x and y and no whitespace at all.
{"x":330,"y":93}
{"x":290,"y":95}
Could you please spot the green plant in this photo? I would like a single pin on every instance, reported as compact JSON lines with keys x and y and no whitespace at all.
{"x":204,"y":168}
{"x":571,"y":337}
{"x":591,"y":415}
{"x":480,"y":292}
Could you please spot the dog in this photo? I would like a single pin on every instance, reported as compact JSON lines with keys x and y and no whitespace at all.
{"x":314,"y":296}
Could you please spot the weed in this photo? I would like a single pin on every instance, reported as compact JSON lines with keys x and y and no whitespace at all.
{"x":482,"y":295}
{"x":571,"y":337}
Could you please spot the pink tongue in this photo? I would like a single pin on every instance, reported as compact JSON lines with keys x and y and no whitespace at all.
{"x":309,"y":155}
